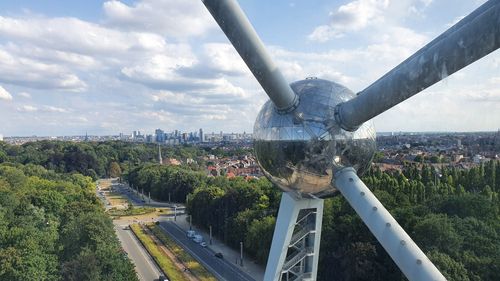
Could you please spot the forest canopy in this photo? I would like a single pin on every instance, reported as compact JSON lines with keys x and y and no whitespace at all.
{"x":52,"y":226}
{"x":452,"y":214}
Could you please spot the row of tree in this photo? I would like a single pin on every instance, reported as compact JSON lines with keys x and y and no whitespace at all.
{"x":95,"y":159}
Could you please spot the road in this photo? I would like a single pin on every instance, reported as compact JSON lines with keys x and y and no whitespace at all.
{"x":223,"y":269}
{"x":135,"y":197}
{"x":144,"y":265}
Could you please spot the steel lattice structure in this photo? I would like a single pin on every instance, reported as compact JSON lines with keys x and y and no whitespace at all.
{"x":314,"y":136}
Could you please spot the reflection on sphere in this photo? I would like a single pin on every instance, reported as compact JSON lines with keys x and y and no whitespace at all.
{"x":301,"y":150}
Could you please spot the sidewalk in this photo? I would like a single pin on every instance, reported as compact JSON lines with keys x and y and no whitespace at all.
{"x":231,"y":255}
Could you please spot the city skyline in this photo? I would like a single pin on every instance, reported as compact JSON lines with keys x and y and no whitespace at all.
{"x":105,"y":67}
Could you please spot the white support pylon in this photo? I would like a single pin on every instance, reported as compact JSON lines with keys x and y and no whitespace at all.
{"x":294,"y":251}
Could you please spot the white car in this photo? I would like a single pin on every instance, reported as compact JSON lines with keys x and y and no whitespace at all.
{"x":203,"y":244}
{"x":198,"y":238}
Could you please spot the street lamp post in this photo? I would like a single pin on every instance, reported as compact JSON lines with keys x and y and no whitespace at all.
{"x":241,"y":253}
{"x":190,"y":222}
{"x":175,"y":213}
{"x":210,"y":234}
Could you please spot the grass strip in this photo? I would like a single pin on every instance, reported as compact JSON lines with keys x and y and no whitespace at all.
{"x":131,"y":211}
{"x":161,"y":259}
{"x":194,"y":266}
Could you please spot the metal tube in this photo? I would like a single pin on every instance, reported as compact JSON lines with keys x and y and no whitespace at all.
{"x":210,"y":234}
{"x":472,"y":38}
{"x":241,"y":253}
{"x":245,"y":40}
{"x":406,"y":254}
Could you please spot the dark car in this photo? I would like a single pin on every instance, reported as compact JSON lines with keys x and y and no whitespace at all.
{"x":219,"y":255}
{"x":162,"y":278}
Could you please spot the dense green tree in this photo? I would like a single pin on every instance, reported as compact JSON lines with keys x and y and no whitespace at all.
{"x":52,"y":227}
{"x":115,"y":170}
{"x":259,"y":237}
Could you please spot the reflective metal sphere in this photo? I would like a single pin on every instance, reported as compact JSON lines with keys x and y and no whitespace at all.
{"x":301,"y":150}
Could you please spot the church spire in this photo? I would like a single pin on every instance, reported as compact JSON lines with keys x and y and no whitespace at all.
{"x":159,"y":155}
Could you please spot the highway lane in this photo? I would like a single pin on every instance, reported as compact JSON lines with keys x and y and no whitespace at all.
{"x":144,"y":265}
{"x":133,"y":196}
{"x":223,"y":269}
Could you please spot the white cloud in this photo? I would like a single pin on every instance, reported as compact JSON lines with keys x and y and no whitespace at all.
{"x":77,"y":36}
{"x":441,"y":107}
{"x":222,"y":95}
{"x":352,"y":16}
{"x":31,"y":73}
{"x":27,"y":108}
{"x":4,"y":95}
{"x":359,"y":15}
{"x":84,"y":62}
{"x":41,"y":109}
{"x":156,"y":63}
{"x":158,"y":67}
{"x":355,"y":68}
{"x":171,"y":18}
{"x":223,"y":58}
{"x":24,"y":95}
{"x":49,"y":108}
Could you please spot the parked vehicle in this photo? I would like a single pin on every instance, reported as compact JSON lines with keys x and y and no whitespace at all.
{"x":219,"y":255}
{"x":162,"y":278}
{"x":203,"y":244}
{"x":198,"y":238}
{"x":191,"y":233}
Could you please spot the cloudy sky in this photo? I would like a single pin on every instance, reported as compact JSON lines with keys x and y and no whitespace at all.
{"x":104,"y":67}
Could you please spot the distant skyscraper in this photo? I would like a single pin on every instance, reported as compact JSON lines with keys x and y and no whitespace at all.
{"x":201,"y":135}
{"x":160,"y":136}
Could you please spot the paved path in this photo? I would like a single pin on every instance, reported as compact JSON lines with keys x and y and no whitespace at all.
{"x":138,"y":198}
{"x":144,"y":265}
{"x":222,"y":268}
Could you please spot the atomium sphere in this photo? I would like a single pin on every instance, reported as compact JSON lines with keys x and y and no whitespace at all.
{"x":300,"y":151}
